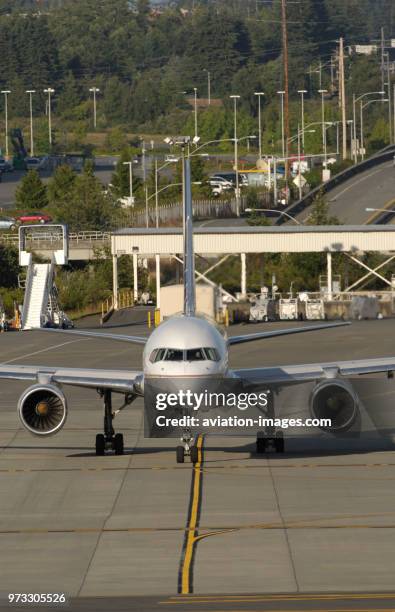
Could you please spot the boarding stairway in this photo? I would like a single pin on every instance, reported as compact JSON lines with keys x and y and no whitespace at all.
{"x":39,"y":284}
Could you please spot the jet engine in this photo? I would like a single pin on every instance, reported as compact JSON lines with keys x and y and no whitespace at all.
{"x":335,"y":400}
{"x":43,"y":409}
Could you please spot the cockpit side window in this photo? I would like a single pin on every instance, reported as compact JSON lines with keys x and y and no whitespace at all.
{"x":211,"y":354}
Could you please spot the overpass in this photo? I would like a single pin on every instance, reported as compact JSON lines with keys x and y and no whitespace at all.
{"x":369,"y":184}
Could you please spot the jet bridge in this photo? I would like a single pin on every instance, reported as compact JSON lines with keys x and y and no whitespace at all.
{"x":40,"y":305}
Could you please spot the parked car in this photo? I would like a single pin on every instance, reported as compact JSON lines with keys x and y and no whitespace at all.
{"x":33,"y":217}
{"x":5,"y":166}
{"x":36,"y":163}
{"x":8,"y":223}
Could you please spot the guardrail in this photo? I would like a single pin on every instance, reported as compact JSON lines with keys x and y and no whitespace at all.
{"x":297,"y":207}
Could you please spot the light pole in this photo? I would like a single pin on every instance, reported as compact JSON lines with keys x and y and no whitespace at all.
{"x":196,"y":117}
{"x":208,"y":85}
{"x":6,"y":92}
{"x":323,"y":92}
{"x":355,"y":99}
{"x":31,"y":92}
{"x":362,"y":136}
{"x":94,"y":90}
{"x":259,"y":94}
{"x":49,"y":91}
{"x":130,"y":164}
{"x":272,"y":210}
{"x":282,"y":93}
{"x":235,"y":98}
{"x":302,"y":92}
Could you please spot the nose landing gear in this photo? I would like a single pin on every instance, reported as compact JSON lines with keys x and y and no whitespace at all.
{"x":187,"y":448}
{"x":109,"y":440}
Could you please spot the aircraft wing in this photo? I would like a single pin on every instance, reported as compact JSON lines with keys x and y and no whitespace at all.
{"x":294,"y":374}
{"x":92,"y":334}
{"x":122,"y":381}
{"x":282,"y":332}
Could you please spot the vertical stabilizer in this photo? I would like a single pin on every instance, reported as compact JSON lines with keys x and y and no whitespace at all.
{"x":189,"y":256}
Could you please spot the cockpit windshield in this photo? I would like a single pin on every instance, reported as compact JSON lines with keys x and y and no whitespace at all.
{"x":196,"y":354}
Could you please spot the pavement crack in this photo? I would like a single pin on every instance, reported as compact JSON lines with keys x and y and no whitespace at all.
{"x":285,"y":528}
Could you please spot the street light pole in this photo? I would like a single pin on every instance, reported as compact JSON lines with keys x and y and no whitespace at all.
{"x":31,"y":92}
{"x":299,"y":172}
{"x":130,"y":164}
{"x":302,"y":92}
{"x":94,"y":90}
{"x":156,"y":195}
{"x":259,"y":94}
{"x":196,"y":117}
{"x":208,"y":85}
{"x":322,"y":92}
{"x":362,"y":107}
{"x":235,"y":98}
{"x":356,"y":99}
{"x":6,"y":92}
{"x":49,"y":91}
{"x":281,"y":93}
{"x":272,"y":210}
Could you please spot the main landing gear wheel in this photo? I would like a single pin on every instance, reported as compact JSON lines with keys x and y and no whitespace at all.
{"x":109,"y":440}
{"x":194,"y":454}
{"x":180,"y":454}
{"x":279,"y":442}
{"x":100,"y":444}
{"x":117,"y":444}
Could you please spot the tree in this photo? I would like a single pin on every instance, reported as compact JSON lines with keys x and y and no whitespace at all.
{"x":90,"y":207}
{"x":31,"y":193}
{"x":9,"y":266}
{"x":59,"y":191}
{"x":320,"y":212}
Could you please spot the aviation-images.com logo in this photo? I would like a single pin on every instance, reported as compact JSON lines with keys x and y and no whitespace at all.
{"x":206,"y":400}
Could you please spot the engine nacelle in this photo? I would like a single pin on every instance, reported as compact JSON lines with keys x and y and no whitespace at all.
{"x":43,"y":409}
{"x":335,"y":400}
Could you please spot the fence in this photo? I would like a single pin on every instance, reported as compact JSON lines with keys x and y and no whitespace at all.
{"x":215,"y":209}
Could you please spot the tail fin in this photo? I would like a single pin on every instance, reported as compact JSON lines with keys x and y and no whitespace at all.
{"x":189,"y":255}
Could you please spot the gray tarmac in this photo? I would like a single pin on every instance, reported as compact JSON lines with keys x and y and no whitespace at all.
{"x":313,"y":529}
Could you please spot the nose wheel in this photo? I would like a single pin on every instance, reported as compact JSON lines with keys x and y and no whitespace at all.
{"x":273,"y":443}
{"x":187,"y":448}
{"x":109,"y":440}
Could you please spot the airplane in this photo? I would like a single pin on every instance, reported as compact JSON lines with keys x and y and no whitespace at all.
{"x":188,"y":346}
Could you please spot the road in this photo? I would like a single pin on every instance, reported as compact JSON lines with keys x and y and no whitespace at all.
{"x":374,"y":188}
{"x":139,"y":532}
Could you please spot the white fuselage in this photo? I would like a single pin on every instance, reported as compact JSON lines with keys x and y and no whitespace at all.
{"x":185,"y":347}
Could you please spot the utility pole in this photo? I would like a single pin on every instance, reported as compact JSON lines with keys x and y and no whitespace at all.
{"x":343,"y":97}
{"x":286,"y":81}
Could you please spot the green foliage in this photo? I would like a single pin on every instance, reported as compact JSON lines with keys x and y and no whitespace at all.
{"x":31,"y":193}
{"x":9,"y":266}
{"x":320,"y":214}
{"x":59,"y":189}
